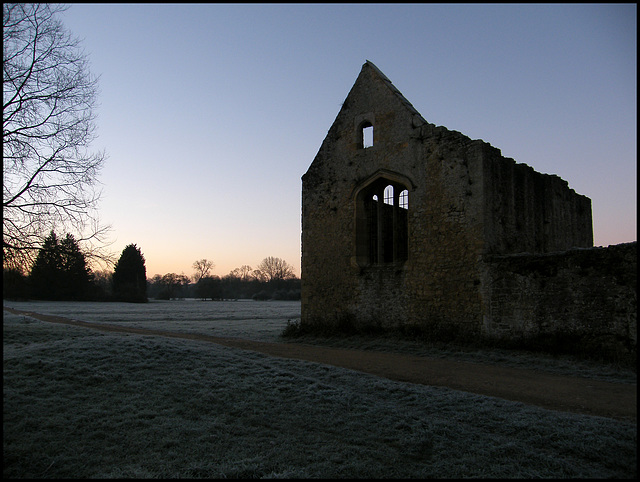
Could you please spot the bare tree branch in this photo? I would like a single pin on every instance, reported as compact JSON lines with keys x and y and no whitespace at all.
{"x":275,"y":269}
{"x":48,"y":122}
{"x":202,"y":268}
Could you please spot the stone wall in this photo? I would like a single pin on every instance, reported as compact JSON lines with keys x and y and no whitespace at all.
{"x":579,"y":294}
{"x":527,"y":211}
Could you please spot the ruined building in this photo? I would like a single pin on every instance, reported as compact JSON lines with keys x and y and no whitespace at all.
{"x":405,"y":223}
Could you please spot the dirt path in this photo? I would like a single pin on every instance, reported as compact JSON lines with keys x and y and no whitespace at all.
{"x":579,"y":395}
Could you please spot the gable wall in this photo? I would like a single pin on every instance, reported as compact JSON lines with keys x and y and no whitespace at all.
{"x":445,"y":230}
{"x":331,"y":282}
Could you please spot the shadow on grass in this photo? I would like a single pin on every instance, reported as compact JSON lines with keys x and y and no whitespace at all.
{"x":590,"y":347}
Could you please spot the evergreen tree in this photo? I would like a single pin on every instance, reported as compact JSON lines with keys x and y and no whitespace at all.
{"x":130,"y":276}
{"x":76,"y":275}
{"x":45,"y":276}
{"x":60,"y":271}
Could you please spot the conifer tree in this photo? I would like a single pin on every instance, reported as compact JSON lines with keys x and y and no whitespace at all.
{"x":45,"y":276}
{"x":75,"y":273}
{"x":130,"y":276}
{"x":60,"y":271}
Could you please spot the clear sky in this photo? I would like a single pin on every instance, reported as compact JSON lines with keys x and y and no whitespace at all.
{"x":211,"y":113}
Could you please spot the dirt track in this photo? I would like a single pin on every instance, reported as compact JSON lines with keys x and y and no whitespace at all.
{"x":579,"y":395}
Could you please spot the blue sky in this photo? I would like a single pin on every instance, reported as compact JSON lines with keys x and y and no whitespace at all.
{"x":211,"y":113}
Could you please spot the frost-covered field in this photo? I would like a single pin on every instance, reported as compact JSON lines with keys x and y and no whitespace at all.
{"x":80,"y":403}
{"x":255,"y":320}
{"x":265,"y":321}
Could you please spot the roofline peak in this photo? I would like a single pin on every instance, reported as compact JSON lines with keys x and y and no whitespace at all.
{"x":395,"y":90}
{"x":377,"y":70}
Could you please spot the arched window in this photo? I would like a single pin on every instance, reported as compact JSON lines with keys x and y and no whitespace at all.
{"x":403,"y":199}
{"x":382,"y":223}
{"x":388,"y":195}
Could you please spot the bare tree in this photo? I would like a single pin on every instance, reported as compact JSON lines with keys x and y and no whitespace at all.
{"x":174,"y":285}
{"x":48,"y":121}
{"x":243,"y":273}
{"x":258,"y":275}
{"x":275,"y":269}
{"x":202,"y":268}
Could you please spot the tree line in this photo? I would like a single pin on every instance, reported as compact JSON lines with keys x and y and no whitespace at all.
{"x":60,"y":272}
{"x":274,"y":278}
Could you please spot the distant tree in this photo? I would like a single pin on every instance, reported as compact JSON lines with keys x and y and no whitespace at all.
{"x":202,"y":268}
{"x":130,"y":276}
{"x":243,"y":273}
{"x":209,"y":287}
{"x":275,"y":269}
{"x":259,"y":276}
{"x":172,"y":286}
{"x":48,"y":124}
{"x":154,"y":286}
{"x":60,"y":271}
{"x":261,"y":295}
{"x":101,"y":285}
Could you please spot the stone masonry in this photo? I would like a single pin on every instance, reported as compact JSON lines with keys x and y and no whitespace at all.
{"x":405,"y":223}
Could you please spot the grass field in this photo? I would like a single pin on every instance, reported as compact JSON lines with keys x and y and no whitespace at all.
{"x":79,"y":403}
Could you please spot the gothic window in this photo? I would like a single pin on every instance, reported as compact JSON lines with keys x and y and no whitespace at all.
{"x":382,"y":223}
{"x":403,"y":199}
{"x":388,"y":195}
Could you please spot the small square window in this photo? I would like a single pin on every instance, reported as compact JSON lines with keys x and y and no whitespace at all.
{"x":367,"y":136}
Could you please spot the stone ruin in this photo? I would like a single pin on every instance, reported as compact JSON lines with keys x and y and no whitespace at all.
{"x":410,"y":225}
